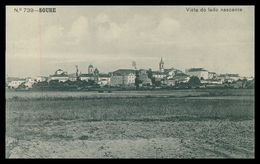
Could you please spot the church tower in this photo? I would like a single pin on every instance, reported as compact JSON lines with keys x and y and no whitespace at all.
{"x":161,"y":68}
{"x":90,"y":69}
{"x":96,"y":75}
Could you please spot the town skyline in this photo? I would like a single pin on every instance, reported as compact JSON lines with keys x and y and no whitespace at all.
{"x":110,"y":38}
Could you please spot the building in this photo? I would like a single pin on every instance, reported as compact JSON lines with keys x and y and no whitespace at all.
{"x":86,"y":77}
{"x":8,"y":80}
{"x":29,"y":82}
{"x":15,"y":83}
{"x":90,"y":69}
{"x":59,"y":75}
{"x":199,"y":72}
{"x":117,"y":80}
{"x":125,"y":77}
{"x":93,"y":74}
{"x":165,"y":73}
{"x":181,"y":77}
{"x":90,"y":74}
{"x":171,"y":72}
{"x":41,"y":78}
{"x":104,"y":79}
{"x":229,"y":77}
{"x":96,"y":75}
{"x":159,"y":75}
{"x":161,"y":65}
{"x":212,"y":75}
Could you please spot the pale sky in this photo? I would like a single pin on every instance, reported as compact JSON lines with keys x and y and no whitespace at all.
{"x":111,"y":37}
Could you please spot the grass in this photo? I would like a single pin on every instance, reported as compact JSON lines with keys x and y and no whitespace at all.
{"x":141,"y":109}
{"x":200,"y":120}
{"x":29,"y":118}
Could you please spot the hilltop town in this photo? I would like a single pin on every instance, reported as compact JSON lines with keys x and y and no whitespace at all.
{"x":131,"y":78}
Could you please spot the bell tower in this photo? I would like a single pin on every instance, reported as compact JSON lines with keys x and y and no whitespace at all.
{"x":90,"y":69}
{"x":161,"y":65}
{"x":96,"y":75}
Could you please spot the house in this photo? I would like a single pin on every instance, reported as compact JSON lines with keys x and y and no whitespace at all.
{"x":229,"y":77}
{"x":29,"y":82}
{"x":212,"y":75}
{"x":59,"y":75}
{"x":86,"y":77}
{"x":165,"y":73}
{"x":15,"y":83}
{"x":116,"y":80}
{"x":91,"y":75}
{"x":181,"y":77}
{"x":9,"y":80}
{"x":199,"y":72}
{"x":171,"y":72}
{"x":41,"y":78}
{"x":159,"y":75}
{"x":104,"y":78}
{"x":124,"y":77}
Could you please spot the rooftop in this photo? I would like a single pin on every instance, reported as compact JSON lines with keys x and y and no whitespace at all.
{"x":60,"y":75}
{"x":181,"y":74}
{"x":196,"y":69}
{"x":123,"y":71}
{"x":159,"y":73}
{"x":86,"y":75}
{"x":104,"y":75}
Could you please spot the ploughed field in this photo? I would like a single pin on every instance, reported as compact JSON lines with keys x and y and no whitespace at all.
{"x":141,"y":127}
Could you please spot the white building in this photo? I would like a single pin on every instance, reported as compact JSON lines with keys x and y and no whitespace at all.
{"x":29,"y":82}
{"x":41,"y":78}
{"x":59,"y":75}
{"x":104,"y":78}
{"x":199,"y":72}
{"x":16,"y":83}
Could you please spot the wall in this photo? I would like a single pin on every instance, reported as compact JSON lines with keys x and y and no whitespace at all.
{"x":63,"y":79}
{"x":199,"y":74}
{"x":15,"y":84}
{"x":86,"y":78}
{"x":116,"y":80}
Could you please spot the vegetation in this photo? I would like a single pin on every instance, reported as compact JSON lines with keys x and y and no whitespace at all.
{"x":192,"y":121}
{"x":137,"y":79}
{"x":194,"y":81}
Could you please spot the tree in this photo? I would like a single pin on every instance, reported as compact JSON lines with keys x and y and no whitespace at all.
{"x":202,"y":78}
{"x":150,"y":73}
{"x":91,"y":82}
{"x":157,"y":83}
{"x":54,"y":83}
{"x":137,"y":79}
{"x":153,"y":80}
{"x":244,"y":80}
{"x":22,"y":86}
{"x":194,"y":81}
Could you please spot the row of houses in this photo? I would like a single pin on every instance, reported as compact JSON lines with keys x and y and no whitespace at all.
{"x":126,"y":77}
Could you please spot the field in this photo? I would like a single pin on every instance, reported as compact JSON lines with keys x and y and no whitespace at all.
{"x":158,"y":124}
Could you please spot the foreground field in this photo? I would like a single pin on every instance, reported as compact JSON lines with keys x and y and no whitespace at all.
{"x":131,"y":128}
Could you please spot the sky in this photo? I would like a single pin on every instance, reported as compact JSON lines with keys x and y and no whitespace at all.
{"x":111,"y":37}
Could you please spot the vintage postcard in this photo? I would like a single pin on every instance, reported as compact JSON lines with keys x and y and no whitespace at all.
{"x":130,"y":82}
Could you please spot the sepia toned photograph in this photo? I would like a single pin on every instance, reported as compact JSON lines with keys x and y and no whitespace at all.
{"x":127,"y":82}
